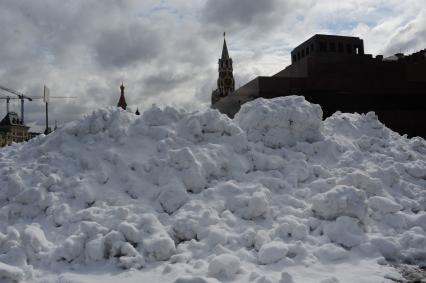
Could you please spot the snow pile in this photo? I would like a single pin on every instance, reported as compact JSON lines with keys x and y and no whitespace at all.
{"x":281,"y":122}
{"x":276,"y":195}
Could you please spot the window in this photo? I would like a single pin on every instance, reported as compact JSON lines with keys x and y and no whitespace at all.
{"x":340,"y":47}
{"x":298,"y":55}
{"x":348,"y":48}
{"x":312,"y":47}
{"x":307,"y":50}
{"x":293,"y":57}
{"x":303,"y":53}
{"x":332,"y":47}
{"x":357,"y":49}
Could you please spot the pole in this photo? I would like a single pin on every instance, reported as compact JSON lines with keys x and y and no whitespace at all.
{"x":46,"y":132}
{"x":7,"y":104}
{"x":22,"y":109}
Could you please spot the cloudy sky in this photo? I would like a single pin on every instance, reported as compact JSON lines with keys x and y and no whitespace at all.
{"x":166,"y":52}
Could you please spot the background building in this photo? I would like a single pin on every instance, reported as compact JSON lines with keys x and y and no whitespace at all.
{"x":225,"y":81}
{"x":334,"y":72}
{"x":12,"y":130}
{"x":122,"y":101}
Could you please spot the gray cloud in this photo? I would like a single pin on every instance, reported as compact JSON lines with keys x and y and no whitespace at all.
{"x":409,"y":38}
{"x":168,"y":50}
{"x":164,"y":81}
{"x":123,"y":46}
{"x":244,"y":14}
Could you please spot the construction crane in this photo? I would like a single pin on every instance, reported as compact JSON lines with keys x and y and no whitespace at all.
{"x":46,"y":98}
{"x":7,"y":98}
{"x":21,"y":96}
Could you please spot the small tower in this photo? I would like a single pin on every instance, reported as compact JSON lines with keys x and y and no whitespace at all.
{"x":122,"y":101}
{"x":225,"y":81}
{"x":137,"y":111}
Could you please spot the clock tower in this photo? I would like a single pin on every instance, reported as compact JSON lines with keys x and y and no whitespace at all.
{"x":225,"y":82}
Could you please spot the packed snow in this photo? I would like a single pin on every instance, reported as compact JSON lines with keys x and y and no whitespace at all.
{"x":274,"y":195}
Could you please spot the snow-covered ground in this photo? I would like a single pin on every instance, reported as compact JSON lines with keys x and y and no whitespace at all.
{"x":275,"y":195}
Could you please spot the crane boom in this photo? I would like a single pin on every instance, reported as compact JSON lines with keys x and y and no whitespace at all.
{"x":15,"y":92}
{"x":21,"y":97}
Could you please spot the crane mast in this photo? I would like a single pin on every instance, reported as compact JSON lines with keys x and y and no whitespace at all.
{"x":8,"y":98}
{"x":21,"y":96}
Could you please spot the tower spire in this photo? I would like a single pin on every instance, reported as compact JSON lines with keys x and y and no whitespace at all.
{"x":122,"y":101}
{"x":225,"y":82}
{"x":225,"y":54}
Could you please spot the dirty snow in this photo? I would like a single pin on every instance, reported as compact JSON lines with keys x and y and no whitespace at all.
{"x":275,"y":195}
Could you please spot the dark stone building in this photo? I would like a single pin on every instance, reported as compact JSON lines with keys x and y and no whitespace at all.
{"x":333,"y":71}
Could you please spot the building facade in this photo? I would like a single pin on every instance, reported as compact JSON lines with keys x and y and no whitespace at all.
{"x":12,"y":130}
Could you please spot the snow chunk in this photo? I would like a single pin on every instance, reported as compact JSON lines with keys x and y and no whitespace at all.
{"x":52,"y":182}
{"x":420,"y":220}
{"x":95,"y":248}
{"x":34,"y":238}
{"x":383,"y":205}
{"x":272,"y":252}
{"x":290,"y":228}
{"x":130,"y":232}
{"x":365,"y":128}
{"x":216,"y":236}
{"x":173,"y":196}
{"x":111,"y":238}
{"x":14,"y":186}
{"x":129,"y":257}
{"x":161,"y":247}
{"x":330,"y":280}
{"x":196,"y":280}
{"x":224,"y":265}
{"x":9,"y":272}
{"x":249,"y":205}
{"x":387,"y":247}
{"x":341,"y":200}
{"x":185,"y":229}
{"x":90,"y":228}
{"x":416,"y":169}
{"x":345,"y":231}
{"x":331,"y":252}
{"x":286,"y":278}
{"x":71,"y":248}
{"x":282,"y":121}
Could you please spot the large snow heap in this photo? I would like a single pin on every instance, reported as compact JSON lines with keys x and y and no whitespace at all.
{"x":261,"y":197}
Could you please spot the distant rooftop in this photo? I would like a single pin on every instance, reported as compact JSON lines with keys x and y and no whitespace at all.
{"x":11,"y":119}
{"x":323,"y":43}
